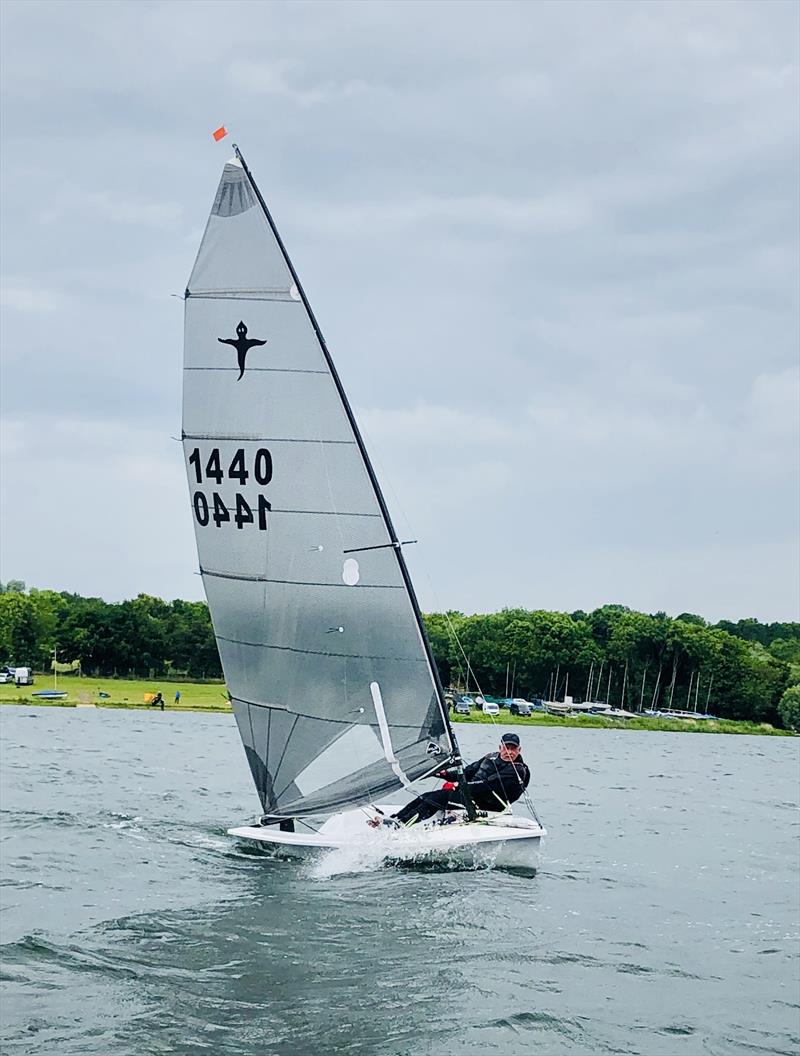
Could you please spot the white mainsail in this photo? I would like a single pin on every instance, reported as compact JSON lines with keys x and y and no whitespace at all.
{"x":330,"y":674}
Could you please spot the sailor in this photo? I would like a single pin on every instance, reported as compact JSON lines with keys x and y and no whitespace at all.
{"x":494,"y":781}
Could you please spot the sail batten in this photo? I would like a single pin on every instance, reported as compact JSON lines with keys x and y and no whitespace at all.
{"x":320,"y":652}
{"x":299,"y":582}
{"x":251,"y":438}
{"x":267,"y":370}
{"x":281,"y":519}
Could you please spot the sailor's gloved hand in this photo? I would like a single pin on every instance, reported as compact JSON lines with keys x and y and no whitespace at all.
{"x":448,"y":786}
{"x":449,"y":774}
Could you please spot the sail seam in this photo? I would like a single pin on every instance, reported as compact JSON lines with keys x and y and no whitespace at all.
{"x":280,"y":761}
{"x":317,"y":718}
{"x":321,"y":652}
{"x":264,"y":439}
{"x":252,"y":734}
{"x":220,"y":291}
{"x":341,"y":799}
{"x":281,"y":296}
{"x":264,"y":370}
{"x":267,"y":775}
{"x":298,"y":714}
{"x":300,"y":583}
{"x":328,"y":513}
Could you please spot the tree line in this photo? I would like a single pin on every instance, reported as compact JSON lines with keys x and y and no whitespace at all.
{"x":143,"y":637}
{"x":631,"y":659}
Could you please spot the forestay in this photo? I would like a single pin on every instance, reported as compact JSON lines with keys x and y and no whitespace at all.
{"x":330,"y":676}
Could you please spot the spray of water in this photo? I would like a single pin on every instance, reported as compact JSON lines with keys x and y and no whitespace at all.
{"x":362,"y":856}
{"x":395,"y":850}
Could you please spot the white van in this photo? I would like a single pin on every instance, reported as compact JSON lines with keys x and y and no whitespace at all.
{"x":23,"y":676}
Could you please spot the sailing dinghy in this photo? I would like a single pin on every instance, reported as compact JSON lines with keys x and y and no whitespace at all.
{"x":330,"y":673}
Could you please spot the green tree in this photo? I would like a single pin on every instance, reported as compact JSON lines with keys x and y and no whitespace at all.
{"x":190,"y":638}
{"x":441,"y":629}
{"x":13,"y":586}
{"x":789,"y":708}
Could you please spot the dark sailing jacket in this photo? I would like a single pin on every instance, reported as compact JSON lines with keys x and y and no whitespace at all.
{"x":493,"y":782}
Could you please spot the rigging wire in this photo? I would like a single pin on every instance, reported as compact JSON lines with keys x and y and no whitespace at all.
{"x":387,"y":484}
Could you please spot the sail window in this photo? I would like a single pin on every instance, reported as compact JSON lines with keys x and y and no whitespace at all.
{"x":356,"y":748}
{"x":350,"y":572}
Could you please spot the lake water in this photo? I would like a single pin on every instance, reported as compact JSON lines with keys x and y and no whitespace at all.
{"x":663,"y":919}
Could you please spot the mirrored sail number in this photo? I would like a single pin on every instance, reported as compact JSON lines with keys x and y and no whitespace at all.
{"x":208,"y":508}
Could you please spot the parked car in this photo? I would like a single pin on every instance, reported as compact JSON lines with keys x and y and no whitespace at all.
{"x":462,"y":707}
{"x":489,"y":708}
{"x":6,"y":674}
{"x":518,"y":706}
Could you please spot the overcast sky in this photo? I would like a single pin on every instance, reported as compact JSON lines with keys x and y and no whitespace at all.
{"x":553,"y":249}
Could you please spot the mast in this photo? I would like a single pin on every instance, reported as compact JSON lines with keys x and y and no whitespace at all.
{"x":672,"y":683}
{"x":655,"y":691}
{"x":641,"y":695}
{"x":394,"y":540}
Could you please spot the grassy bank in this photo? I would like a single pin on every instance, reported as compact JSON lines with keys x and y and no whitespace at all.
{"x":643,"y":722}
{"x":120,"y":693}
{"x":212,"y":696}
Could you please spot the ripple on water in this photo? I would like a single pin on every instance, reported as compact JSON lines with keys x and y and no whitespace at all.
{"x":199,"y":944}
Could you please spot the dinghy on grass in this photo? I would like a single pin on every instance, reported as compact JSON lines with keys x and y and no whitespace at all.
{"x":330,"y":673}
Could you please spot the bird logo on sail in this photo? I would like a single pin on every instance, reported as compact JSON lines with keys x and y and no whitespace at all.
{"x":242,"y":343}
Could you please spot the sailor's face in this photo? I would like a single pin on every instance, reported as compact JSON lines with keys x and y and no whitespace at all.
{"x":509,"y":752}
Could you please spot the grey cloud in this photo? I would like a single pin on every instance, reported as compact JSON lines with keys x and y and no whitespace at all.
{"x":553,"y":248}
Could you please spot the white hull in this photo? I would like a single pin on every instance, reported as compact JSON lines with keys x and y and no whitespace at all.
{"x":552,"y":707}
{"x":504,"y":841}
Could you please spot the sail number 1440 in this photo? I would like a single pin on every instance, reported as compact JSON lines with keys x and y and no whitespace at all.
{"x":240,"y":512}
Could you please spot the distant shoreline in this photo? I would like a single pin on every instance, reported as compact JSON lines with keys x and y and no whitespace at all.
{"x":596,"y":722}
